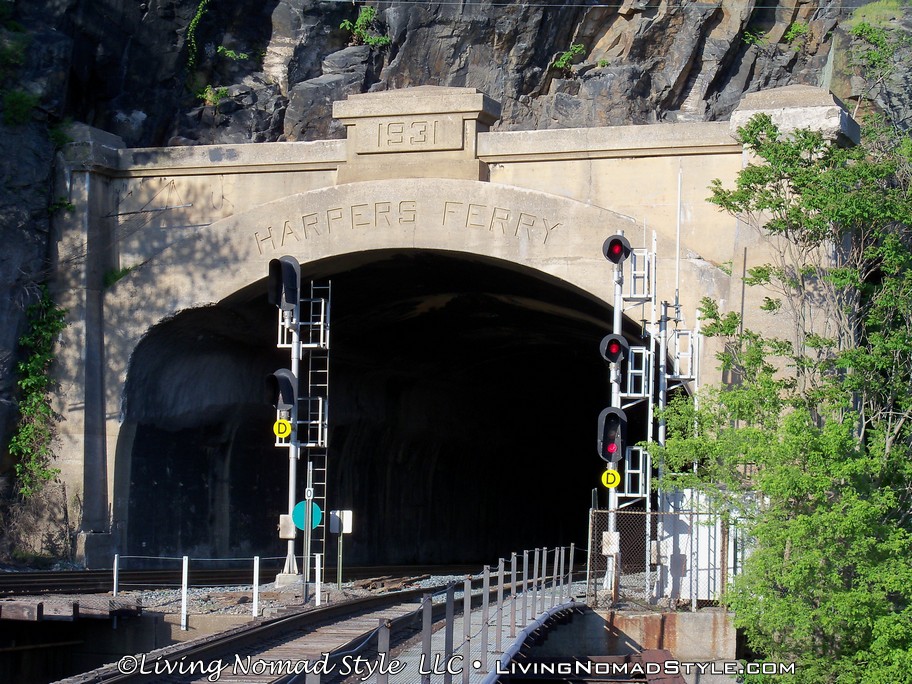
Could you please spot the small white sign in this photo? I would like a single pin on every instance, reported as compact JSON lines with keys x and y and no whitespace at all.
{"x":287,"y":527}
{"x":611,"y":543}
{"x":308,"y":494}
{"x":340,"y":522}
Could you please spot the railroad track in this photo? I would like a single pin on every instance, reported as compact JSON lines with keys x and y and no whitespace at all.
{"x":102,"y":581}
{"x":320,"y":635}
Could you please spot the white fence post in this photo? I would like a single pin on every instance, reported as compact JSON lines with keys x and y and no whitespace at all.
{"x":318,"y":576}
{"x":184,"y":579}
{"x":256,"y":586}
{"x":116,"y":572}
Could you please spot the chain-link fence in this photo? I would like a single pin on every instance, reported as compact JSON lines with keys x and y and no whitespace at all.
{"x":674,"y":558}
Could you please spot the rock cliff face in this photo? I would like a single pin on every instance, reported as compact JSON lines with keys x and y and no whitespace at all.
{"x":159,"y":72}
{"x":195,"y":71}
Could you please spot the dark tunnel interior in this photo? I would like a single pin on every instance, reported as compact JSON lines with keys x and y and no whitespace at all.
{"x":464,"y":395}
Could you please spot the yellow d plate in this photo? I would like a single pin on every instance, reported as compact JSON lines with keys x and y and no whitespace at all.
{"x":282,"y":429}
{"x":611,"y":478}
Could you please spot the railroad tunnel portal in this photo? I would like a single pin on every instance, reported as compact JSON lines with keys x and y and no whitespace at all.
{"x":464,"y":395}
{"x":465,"y":377}
{"x":472,"y":256}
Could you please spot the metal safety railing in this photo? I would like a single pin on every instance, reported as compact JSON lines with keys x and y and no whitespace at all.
{"x":536,"y":582}
{"x":255,"y":564}
{"x":493,"y":622}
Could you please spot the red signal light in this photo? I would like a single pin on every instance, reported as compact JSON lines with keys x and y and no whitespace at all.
{"x":614,"y":348}
{"x":612,"y":432}
{"x":616,"y":249}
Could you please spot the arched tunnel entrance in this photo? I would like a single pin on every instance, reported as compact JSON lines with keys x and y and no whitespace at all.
{"x":464,"y":396}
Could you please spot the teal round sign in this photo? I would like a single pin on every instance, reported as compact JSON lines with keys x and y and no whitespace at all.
{"x":298,"y":515}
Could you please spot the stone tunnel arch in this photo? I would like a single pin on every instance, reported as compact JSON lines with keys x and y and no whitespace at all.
{"x":489,"y":260}
{"x":464,"y":397}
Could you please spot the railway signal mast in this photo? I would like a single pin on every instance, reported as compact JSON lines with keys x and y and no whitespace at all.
{"x":613,"y":420}
{"x":302,"y":418}
{"x":637,"y":385}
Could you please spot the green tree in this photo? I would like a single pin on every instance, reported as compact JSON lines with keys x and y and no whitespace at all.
{"x":809,"y":446}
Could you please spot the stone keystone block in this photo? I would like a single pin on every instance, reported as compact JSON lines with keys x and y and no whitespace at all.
{"x":415,"y":133}
{"x":420,"y":100}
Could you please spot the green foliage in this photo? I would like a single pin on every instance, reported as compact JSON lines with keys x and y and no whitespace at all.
{"x":192,"y":47}
{"x":363,"y":30}
{"x":771,"y":304}
{"x":111,"y":277}
{"x":33,"y":442}
{"x":753,"y":38}
{"x":565,"y":59}
{"x":797,"y":30}
{"x":602,"y":63}
{"x":18,"y":106}
{"x":61,"y":203}
{"x":231,"y":54}
{"x":7,"y":12}
{"x":873,"y":51}
{"x":879,"y":13}
{"x":809,"y":445}
{"x":212,"y":96}
{"x":58,"y":134}
{"x":12,"y":53}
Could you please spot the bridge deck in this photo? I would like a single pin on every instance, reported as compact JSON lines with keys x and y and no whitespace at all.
{"x":264,"y":664}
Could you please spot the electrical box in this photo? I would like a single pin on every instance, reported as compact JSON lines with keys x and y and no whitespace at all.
{"x":287,"y":528}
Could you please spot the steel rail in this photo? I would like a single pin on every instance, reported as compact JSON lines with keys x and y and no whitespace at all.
{"x":102,"y":581}
{"x":249,"y":636}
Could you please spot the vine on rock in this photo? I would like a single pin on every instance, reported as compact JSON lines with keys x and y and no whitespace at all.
{"x":33,"y":441}
{"x":192,"y":47}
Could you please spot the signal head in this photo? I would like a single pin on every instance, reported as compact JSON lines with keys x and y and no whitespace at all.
{"x":614,"y":348}
{"x":282,"y":390}
{"x":616,"y":249}
{"x":612,"y":434}
{"x":284,"y":283}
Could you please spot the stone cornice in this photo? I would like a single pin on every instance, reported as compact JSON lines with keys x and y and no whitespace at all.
{"x":605,"y":143}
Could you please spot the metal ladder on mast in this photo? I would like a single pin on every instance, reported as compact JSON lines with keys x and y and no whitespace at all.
{"x":313,"y":407}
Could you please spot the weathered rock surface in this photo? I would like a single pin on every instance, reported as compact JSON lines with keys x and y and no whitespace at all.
{"x":137,"y":69}
{"x":309,"y":114}
{"x":894,"y":95}
{"x":34,"y":66}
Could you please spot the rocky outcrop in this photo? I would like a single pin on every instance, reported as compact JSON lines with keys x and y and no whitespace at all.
{"x":142,"y":70}
{"x":893,"y":94}
{"x":31,"y":63}
{"x":309,"y":114}
{"x":25,"y":167}
{"x":641,"y":62}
